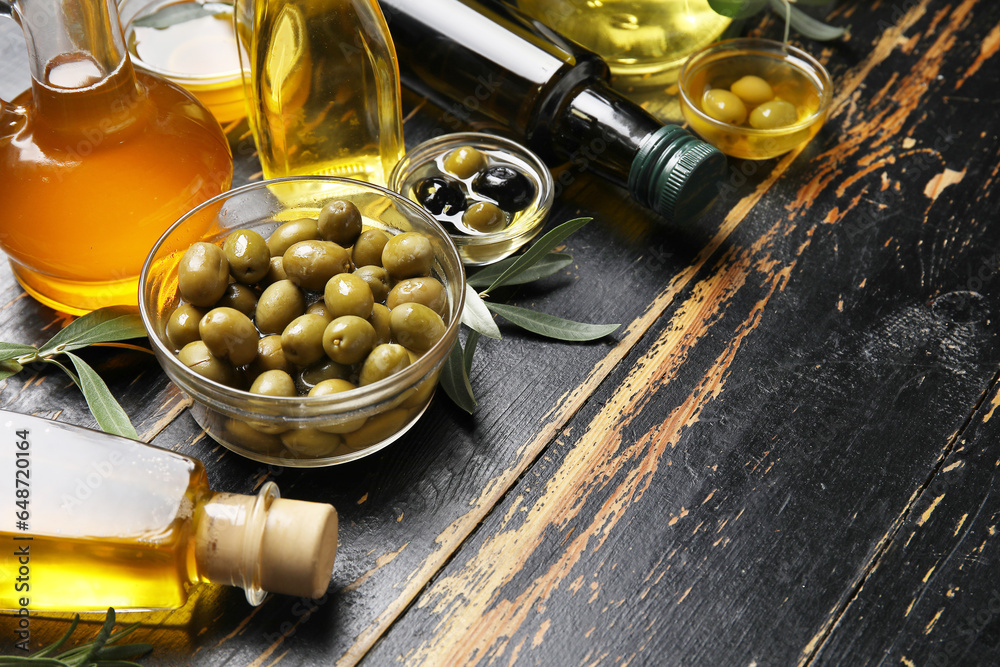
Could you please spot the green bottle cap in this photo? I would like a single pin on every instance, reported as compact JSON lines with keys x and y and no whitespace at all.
{"x":676,"y":174}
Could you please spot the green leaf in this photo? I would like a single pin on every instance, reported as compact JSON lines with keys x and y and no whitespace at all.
{"x":123,"y":652}
{"x":14,"y":350}
{"x":551,"y":326}
{"x":546,"y":266}
{"x":9,"y":367}
{"x":538,"y":250}
{"x":12,"y":660}
{"x":101,"y":326}
{"x":477,"y":317}
{"x":109,"y":414}
{"x":455,"y":379}
{"x":470,"y":349}
{"x":807,"y":25}
{"x":737,"y":9}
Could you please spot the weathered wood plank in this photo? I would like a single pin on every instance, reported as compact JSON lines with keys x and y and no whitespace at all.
{"x":721,"y":503}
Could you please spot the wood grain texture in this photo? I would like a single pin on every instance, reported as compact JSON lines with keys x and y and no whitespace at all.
{"x":727,"y":479}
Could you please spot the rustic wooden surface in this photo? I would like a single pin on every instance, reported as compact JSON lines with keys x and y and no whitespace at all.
{"x":786,"y":455}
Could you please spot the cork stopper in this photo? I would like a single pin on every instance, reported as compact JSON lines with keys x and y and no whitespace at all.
{"x":266,"y":543}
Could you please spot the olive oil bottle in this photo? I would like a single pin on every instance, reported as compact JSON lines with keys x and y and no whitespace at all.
{"x":484,"y":59}
{"x":98,"y":521}
{"x":322,"y":87}
{"x":639,"y":39}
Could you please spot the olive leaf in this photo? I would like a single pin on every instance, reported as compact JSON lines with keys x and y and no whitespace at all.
{"x":182,"y":12}
{"x":537,"y":262}
{"x":548,"y":265}
{"x":103,"y":326}
{"x":551,"y":326}
{"x":476,"y":316}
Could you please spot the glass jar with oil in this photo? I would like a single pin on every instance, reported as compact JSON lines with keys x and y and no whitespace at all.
{"x":755,"y":98}
{"x":192,"y":43}
{"x":322,"y":87}
{"x":106,"y":521}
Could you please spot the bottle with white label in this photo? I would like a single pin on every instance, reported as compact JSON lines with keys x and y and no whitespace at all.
{"x":96,"y":521}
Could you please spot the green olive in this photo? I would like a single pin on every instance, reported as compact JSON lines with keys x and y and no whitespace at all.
{"x":302,"y":340}
{"x":203,"y":274}
{"x":340,"y":222}
{"x":724,"y":106}
{"x":348,"y":294}
{"x":248,"y":255}
{"x":415,"y":326}
{"x":484,"y":217}
{"x":464,"y":161}
{"x":753,"y":90}
{"x":291,"y":232}
{"x":182,"y":325}
{"x":247,"y":436}
{"x":773,"y":115}
{"x":428,"y":291}
{"x":241,"y":297}
{"x":274,"y":383}
{"x":319,"y":308}
{"x":368,"y":248}
{"x":229,"y":334}
{"x":275,"y":271}
{"x":279,"y":304}
{"x":384,"y":360}
{"x":271,"y":356}
{"x":325,"y":369}
{"x":349,"y":339}
{"x":379,"y":319}
{"x":309,"y":264}
{"x":311,"y":443}
{"x":329,"y":388}
{"x":378,"y":428}
{"x":200,"y":359}
{"x":408,"y":255}
{"x":377,"y":279}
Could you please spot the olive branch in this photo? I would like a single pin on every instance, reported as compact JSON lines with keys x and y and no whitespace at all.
{"x":539,"y":261}
{"x":106,"y":326}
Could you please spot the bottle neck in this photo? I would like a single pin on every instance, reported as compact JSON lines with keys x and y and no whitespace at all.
{"x":80,"y":69}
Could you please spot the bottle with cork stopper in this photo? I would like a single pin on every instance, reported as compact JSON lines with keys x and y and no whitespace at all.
{"x":109,"y":521}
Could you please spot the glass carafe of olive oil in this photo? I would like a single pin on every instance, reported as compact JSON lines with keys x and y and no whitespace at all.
{"x":96,"y":160}
{"x":322,"y":87}
{"x":637,"y":38}
{"x":99,"y":520}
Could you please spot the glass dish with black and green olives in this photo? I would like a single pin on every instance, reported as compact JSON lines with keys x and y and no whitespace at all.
{"x":307,"y":317}
{"x":490,"y":193}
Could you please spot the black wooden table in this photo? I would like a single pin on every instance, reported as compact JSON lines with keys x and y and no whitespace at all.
{"x":786,"y":455}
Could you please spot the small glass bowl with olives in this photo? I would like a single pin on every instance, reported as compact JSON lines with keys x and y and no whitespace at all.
{"x":490,"y":193}
{"x":754,"y":98}
{"x":307,"y":317}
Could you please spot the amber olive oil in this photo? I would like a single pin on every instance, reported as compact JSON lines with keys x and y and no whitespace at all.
{"x":322,"y":88}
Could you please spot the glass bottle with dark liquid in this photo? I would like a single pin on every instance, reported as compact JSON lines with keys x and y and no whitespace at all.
{"x":484,"y":58}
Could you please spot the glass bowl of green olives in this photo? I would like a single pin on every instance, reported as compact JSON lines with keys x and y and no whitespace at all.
{"x":754,"y":98}
{"x":490,"y":193}
{"x":308,"y":318}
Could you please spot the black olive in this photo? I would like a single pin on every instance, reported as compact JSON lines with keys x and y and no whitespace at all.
{"x":440,"y":195}
{"x":511,"y":189}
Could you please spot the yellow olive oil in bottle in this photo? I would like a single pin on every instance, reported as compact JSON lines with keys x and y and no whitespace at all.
{"x":322,"y":87}
{"x":637,"y":38}
{"x":100,"y":521}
